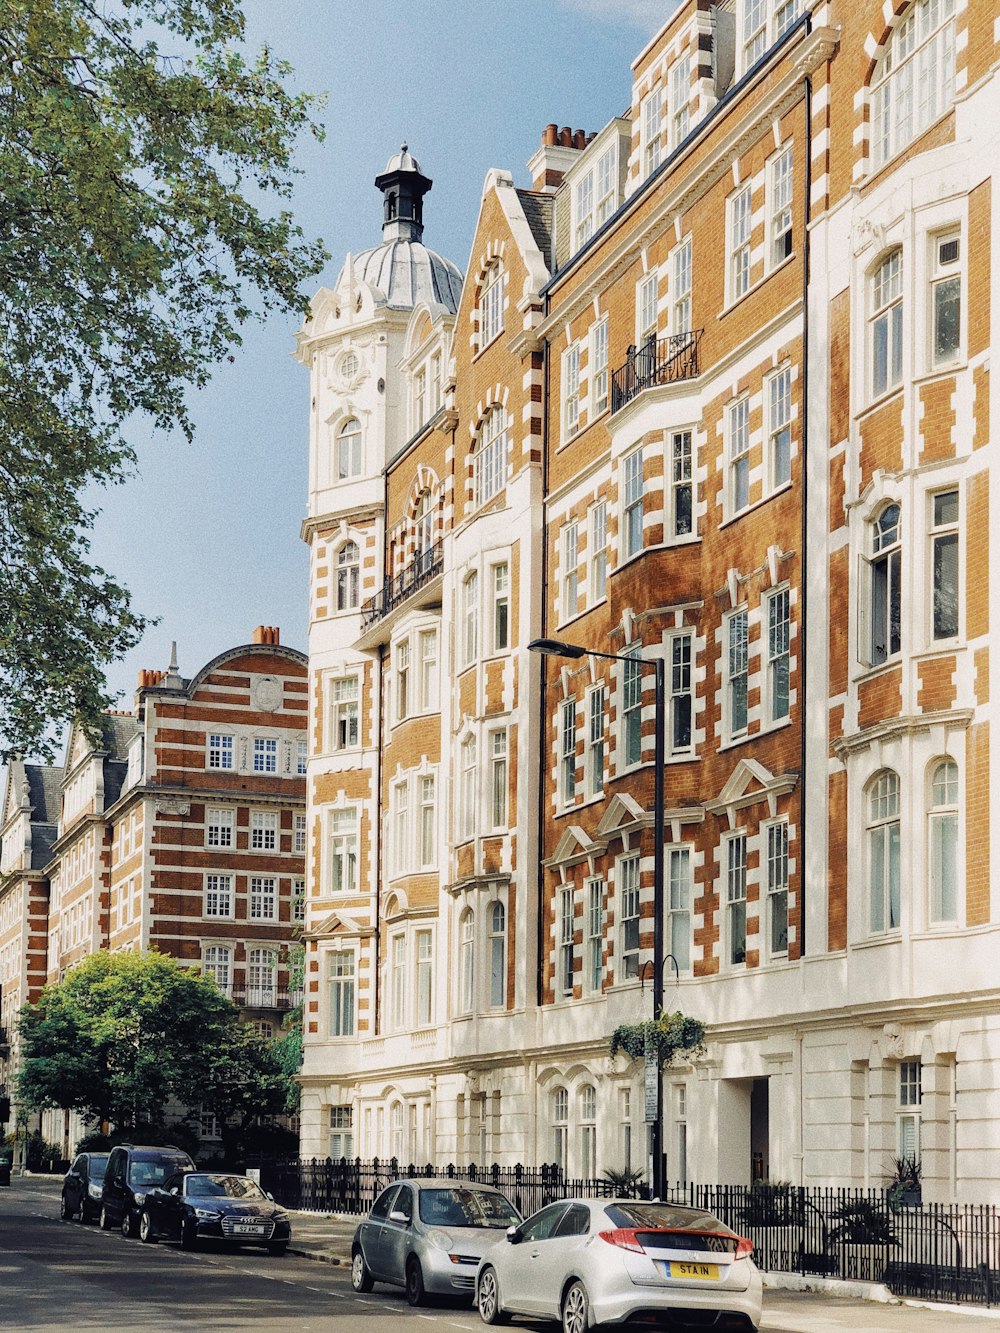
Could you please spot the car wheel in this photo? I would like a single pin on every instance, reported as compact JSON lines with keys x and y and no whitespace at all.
{"x":65,"y":1211}
{"x":146,"y":1233}
{"x":361,"y":1278}
{"x":188,"y":1238}
{"x":277,"y":1248}
{"x":490,"y":1310}
{"x":576,"y":1309}
{"x":128,"y":1225}
{"x":106,"y":1222}
{"x":414,"y":1283}
{"x":81,"y":1214}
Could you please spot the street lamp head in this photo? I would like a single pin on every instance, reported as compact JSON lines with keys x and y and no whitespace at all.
{"x":556,"y":648}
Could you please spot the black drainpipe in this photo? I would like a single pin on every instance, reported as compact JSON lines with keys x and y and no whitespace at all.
{"x":542,"y":714}
{"x":804,"y":534}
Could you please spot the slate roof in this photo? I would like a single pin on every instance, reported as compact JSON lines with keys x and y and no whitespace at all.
{"x":407,"y":273}
{"x":538,"y":210}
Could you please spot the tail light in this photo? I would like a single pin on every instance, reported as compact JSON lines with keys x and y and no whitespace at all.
{"x":623,"y":1239}
{"x":744,"y":1248}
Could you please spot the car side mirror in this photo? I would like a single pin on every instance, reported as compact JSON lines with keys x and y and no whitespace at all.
{"x":176,"y":1190}
{"x":514,"y":1236}
{"x":397,"y":1216}
{"x":269,"y":1195}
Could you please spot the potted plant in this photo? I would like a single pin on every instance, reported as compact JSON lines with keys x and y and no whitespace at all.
{"x":904,"y":1183}
{"x":671,"y":1035}
{"x":626,"y":1183}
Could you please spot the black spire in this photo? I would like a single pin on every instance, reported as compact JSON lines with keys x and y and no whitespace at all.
{"x":403,"y":186}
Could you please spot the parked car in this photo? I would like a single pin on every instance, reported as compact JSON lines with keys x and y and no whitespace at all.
{"x":132,"y":1171}
{"x":428,"y":1236}
{"x":597,"y":1261}
{"x":82,"y":1187}
{"x":213,"y":1205}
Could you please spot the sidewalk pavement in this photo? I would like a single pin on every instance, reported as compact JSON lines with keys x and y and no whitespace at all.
{"x":322,"y":1236}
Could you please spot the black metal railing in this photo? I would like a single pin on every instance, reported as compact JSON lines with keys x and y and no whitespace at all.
{"x":266,"y":997}
{"x":424,"y":566}
{"x":656,"y":361}
{"x":935,"y":1251}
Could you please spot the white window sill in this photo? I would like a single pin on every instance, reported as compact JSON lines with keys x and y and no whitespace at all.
{"x":734,"y":302}
{"x":484,"y":347}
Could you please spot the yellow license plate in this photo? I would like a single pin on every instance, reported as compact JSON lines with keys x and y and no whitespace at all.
{"x":700,"y":1272}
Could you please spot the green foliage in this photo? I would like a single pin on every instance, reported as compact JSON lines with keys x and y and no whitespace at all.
{"x":772,"y":1203}
{"x":626,"y":1183}
{"x":862,"y":1222}
{"x":672,"y":1035}
{"x":140,"y":151}
{"x":38,"y":1154}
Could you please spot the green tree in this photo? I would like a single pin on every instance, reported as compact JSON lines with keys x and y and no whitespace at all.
{"x":125,"y":1032}
{"x":140,"y":149}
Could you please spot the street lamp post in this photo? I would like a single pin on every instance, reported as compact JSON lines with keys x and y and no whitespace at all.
{"x":557,"y":648}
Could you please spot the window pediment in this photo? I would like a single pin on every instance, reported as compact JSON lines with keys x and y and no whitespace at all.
{"x":750,"y":783}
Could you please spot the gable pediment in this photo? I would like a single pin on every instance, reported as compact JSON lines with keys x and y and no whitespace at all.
{"x":340,"y":923}
{"x":574,"y":846}
{"x":750,"y":783}
{"x":623,"y":812}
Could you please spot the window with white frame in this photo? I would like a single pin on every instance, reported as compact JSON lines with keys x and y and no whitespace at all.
{"x":628,"y":917}
{"x":435,"y":383}
{"x":632,"y":708}
{"x":341,"y":1146}
{"x":265,"y":754}
{"x":778,"y":399}
{"x":777,"y":889}
{"x":470,"y":618}
{"x":738,"y":225}
{"x":737,"y":663}
{"x":646,"y":309}
{"x":882,"y":836}
{"x":219,"y":895}
{"x":631,"y":504}
{"x":298,"y":899}
{"x":427,"y":650}
{"x":571,"y":391}
{"x":651,"y":120}
{"x":263,"y":898}
{"x":342,"y":841}
{"x":583,"y":208}
{"x":680,"y":100}
{"x":885,"y":594}
{"x":607,"y":184}
{"x":946,"y":299}
{"x":491,"y":304}
{"x":217,"y":963}
{"x":349,"y":449}
{"x":595,"y":196}
{"x":342,"y":992}
{"x":681,"y":519}
{"x":680,"y":690}
{"x":679,"y":894}
{"x":401,"y":826}
{"x":779,"y":207}
{"x":348,"y":576}
{"x":428,"y":821}
{"x":598,"y":368}
{"x":419,"y":398}
{"x":588,"y":1132}
{"x":498,"y":779}
{"x":264,"y":830}
{"x":219,"y":827}
{"x":738,"y":416}
{"x":569,"y":579}
{"x":500,"y":619}
{"x":397,"y":982}
{"x":914,"y":81}
{"x":597,"y":552}
{"x":497,"y":918}
{"x":424,"y":949}
{"x":885,"y":325}
{"x":593,"y":961}
{"x":625,"y":1130}
{"x":261,"y":1028}
{"x":776,"y":607}
{"x":593,"y":762}
{"x":467,"y":806}
{"x":402,"y":680}
{"x":565,"y":953}
{"x":209,"y":1124}
{"x":343,"y":713}
{"x":221,"y":751}
{"x":567,"y":750}
{"x":423,"y":524}
{"x":681,"y":318}
{"x":262,"y":974}
{"x":942,"y":831}
{"x":560,"y":1126}
{"x":301,"y":758}
{"x":736,"y":898}
{"x":762,"y":23}
{"x":299,"y":835}
{"x":490,"y":458}
{"x":911,"y":1097}
{"x":944,"y":564}
{"x":466,"y":961}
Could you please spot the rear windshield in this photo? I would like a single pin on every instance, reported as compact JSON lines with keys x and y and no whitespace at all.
{"x":663,"y":1217}
{"x":466,"y":1208}
{"x":152,"y":1170}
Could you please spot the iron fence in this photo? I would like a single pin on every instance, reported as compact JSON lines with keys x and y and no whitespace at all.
{"x":932,"y":1251}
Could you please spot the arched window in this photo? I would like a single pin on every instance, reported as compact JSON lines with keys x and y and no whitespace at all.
{"x":885,"y":594}
{"x":498,"y":955}
{"x":261,"y":978}
{"x":490,"y":460}
{"x":560,"y":1126}
{"x":466,"y":960}
{"x":914,"y":81}
{"x":588,"y":1132}
{"x":885,"y":324}
{"x":491,"y":304}
{"x":349,"y":449}
{"x":883,"y":852}
{"x":217,"y":964}
{"x":348,"y":576}
{"x":942,"y":828}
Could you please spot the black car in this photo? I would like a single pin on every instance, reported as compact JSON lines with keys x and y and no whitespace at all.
{"x":214,"y":1205}
{"x":82,"y":1187}
{"x":132,"y":1171}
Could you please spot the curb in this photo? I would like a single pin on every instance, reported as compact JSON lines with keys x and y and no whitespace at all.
{"x":830,"y":1286}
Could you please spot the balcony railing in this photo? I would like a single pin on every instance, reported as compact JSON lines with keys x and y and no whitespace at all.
{"x":424,"y":566}
{"x":266,"y":997}
{"x":656,"y":361}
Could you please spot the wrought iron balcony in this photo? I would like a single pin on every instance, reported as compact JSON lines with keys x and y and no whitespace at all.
{"x":266,"y":997}
{"x":424,"y":566}
{"x":656,"y":361}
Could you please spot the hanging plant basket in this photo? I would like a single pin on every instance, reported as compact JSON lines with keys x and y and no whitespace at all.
{"x":671,"y":1035}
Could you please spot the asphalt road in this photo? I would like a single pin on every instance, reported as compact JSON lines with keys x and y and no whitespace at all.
{"x":60,"y":1275}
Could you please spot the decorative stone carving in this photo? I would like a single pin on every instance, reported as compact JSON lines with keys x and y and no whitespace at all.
{"x":266,"y":694}
{"x":172,"y":805}
{"x":892,"y":1042}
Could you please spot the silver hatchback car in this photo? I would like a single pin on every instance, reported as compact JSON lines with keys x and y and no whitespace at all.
{"x":428,"y":1236}
{"x":590,"y":1262}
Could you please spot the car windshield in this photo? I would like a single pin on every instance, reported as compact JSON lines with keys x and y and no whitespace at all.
{"x":466,"y":1208}
{"x":222,"y":1187}
{"x":150,"y":1171}
{"x":663,"y":1217}
{"x":98,"y":1161}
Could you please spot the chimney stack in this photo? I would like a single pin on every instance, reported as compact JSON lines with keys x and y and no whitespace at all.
{"x":267,"y":634}
{"x":556,"y":155}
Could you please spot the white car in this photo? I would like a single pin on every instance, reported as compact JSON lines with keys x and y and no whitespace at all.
{"x":592,"y":1262}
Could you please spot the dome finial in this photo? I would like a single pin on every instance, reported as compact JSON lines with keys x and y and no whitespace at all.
{"x":404,"y":147}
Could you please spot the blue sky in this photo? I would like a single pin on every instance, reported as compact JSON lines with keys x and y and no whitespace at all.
{"x":207,"y":534}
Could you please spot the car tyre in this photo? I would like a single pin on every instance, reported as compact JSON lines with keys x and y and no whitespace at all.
{"x":65,"y":1211}
{"x":576,"y":1309}
{"x":128,"y":1225}
{"x":106,"y":1222}
{"x":146,"y":1233}
{"x":361,"y":1278}
{"x":81,"y":1214}
{"x":277,"y":1248}
{"x":188,"y":1237}
{"x":490,"y":1309}
{"x":414,"y":1283}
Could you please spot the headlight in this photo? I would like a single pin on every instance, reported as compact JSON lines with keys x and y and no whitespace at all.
{"x":95,"y":1191}
{"x":207,"y":1215}
{"x":439,"y":1239}
{"x":140,"y":1197}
